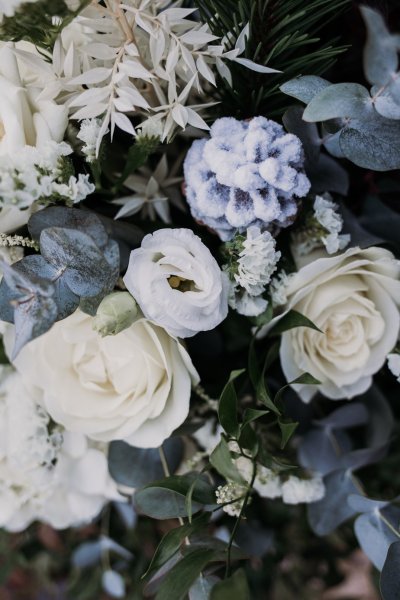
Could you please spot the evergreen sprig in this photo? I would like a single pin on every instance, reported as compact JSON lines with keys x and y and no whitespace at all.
{"x":285,"y":35}
{"x":39,"y":23}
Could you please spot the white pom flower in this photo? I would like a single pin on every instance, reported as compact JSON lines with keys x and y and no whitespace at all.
{"x":247,"y":173}
{"x":296,"y":491}
{"x":177,"y":282}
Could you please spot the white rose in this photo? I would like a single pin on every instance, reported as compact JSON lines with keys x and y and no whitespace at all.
{"x":177,"y":282}
{"x":353,"y":298}
{"x":133,"y":386}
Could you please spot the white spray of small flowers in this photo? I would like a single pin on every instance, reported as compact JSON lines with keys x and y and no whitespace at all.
{"x":8,"y":8}
{"x":253,"y":260}
{"x":322,"y":228}
{"x":89,"y":134}
{"x":41,"y":175}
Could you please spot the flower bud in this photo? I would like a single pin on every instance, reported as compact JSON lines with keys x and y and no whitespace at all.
{"x":116,"y":312}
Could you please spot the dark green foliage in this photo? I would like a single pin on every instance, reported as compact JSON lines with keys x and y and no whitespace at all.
{"x":285,"y":35}
{"x":35,"y":22}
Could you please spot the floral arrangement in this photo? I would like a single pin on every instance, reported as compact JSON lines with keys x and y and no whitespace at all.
{"x":199,"y":299}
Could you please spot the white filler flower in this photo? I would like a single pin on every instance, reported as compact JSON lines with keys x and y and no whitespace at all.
{"x":393,"y":360}
{"x":58,"y":478}
{"x":177,"y":282}
{"x":133,"y":386}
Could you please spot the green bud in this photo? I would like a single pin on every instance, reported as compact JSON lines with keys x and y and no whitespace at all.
{"x":116,"y":312}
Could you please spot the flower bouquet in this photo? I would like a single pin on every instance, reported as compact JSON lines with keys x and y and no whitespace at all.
{"x":199,"y":299}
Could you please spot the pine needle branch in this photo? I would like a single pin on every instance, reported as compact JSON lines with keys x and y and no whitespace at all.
{"x":284,"y":34}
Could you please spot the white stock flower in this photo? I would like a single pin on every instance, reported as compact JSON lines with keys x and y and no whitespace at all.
{"x":326,"y":214}
{"x":354,"y":299}
{"x":257,"y":261}
{"x":177,"y":282}
{"x":133,"y":386}
{"x":245,"y":304}
{"x":296,"y":491}
{"x":54,"y":477}
{"x":89,"y":133}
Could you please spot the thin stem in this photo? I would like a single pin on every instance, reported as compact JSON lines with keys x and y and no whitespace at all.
{"x":238,"y":520}
{"x":167,"y":473}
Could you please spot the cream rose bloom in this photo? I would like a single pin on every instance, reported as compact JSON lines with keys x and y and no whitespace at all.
{"x":25,"y":120}
{"x":177,"y":282}
{"x":133,"y":386}
{"x":353,"y":298}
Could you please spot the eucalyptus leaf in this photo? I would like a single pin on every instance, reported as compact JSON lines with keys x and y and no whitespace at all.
{"x":390,"y":577}
{"x":304,"y":88}
{"x":333,"y":509}
{"x":327,"y":175}
{"x":113,"y":584}
{"x":68,"y":218}
{"x":75,"y":254}
{"x":372,"y":144}
{"x":320,"y":450}
{"x":380,"y":52}
{"x":375,"y":533}
{"x":136,"y":467}
{"x":306,"y":132}
{"x":350,"y":415}
{"x":32,"y":318}
{"x":339,"y":100}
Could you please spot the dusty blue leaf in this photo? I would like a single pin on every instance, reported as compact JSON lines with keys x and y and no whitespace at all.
{"x":32,"y":318}
{"x":327,"y":175}
{"x":362,"y":504}
{"x":375,"y":532}
{"x":333,"y":510}
{"x":68,"y":218}
{"x":113,"y":584}
{"x":320,"y":450}
{"x":349,"y":415}
{"x":380,"y":52}
{"x":306,"y":132}
{"x":136,"y":467}
{"x":84,"y":267}
{"x":373,"y":143}
{"x":339,"y":100}
{"x":390,"y":577}
{"x":35,"y":265}
{"x":304,"y":88}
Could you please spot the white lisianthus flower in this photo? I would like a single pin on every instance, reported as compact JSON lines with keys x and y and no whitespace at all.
{"x":177,"y":282}
{"x":354,"y":299}
{"x":296,"y":490}
{"x":257,"y":261}
{"x":133,"y":386}
{"x":58,"y":477}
